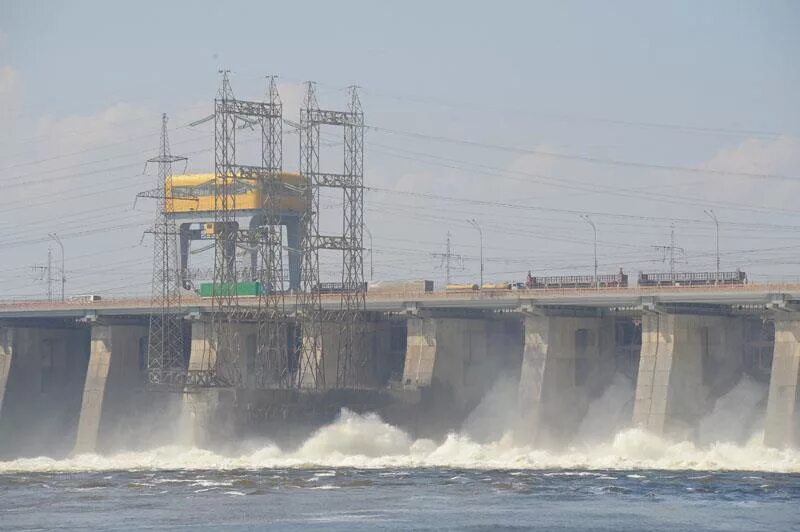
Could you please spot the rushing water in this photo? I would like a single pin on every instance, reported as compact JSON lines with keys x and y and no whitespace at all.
{"x":360,"y":473}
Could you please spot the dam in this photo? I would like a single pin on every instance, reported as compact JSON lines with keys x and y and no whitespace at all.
{"x":73,"y":375}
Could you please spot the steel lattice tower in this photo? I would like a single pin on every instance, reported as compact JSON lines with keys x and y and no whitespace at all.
{"x":272,"y":360}
{"x":353,"y":304}
{"x":225,"y":301}
{"x":165,"y":364}
{"x":310,"y":372}
{"x":230,"y":179}
{"x":351,"y":313}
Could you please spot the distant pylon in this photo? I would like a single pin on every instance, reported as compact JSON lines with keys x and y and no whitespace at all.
{"x":272,"y":361}
{"x":350,"y":362}
{"x":447,"y":259}
{"x":223,"y":365}
{"x":165,"y":361}
{"x":311,"y":370}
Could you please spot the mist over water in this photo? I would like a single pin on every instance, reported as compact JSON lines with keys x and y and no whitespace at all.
{"x":729,"y":438}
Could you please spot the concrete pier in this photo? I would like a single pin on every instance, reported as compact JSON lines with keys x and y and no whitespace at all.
{"x":6,"y":353}
{"x":374,"y":368}
{"x":200,"y":408}
{"x":41,"y":377}
{"x":686,"y":362}
{"x":566,"y":361}
{"x":782,"y":424}
{"x":117,"y":366}
{"x":439,"y":354}
{"x":458,"y":357}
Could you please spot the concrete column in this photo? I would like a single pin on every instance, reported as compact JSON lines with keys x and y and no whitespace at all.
{"x":451,"y":357}
{"x":203,"y":355}
{"x":41,"y":377}
{"x":566,"y":361}
{"x":327,"y":356}
{"x":207,"y":413}
{"x":420,"y":353}
{"x":6,"y":353}
{"x":378,"y":362}
{"x":782,"y":425}
{"x":686,"y":362}
{"x":115,"y":355}
{"x":201,"y":351}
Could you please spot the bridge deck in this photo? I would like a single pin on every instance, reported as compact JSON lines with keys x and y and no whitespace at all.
{"x":745,"y":295}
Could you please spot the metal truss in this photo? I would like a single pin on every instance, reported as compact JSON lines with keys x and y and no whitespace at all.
{"x":224,"y":366}
{"x":349,"y":318}
{"x":165,"y":360}
{"x":271,"y":360}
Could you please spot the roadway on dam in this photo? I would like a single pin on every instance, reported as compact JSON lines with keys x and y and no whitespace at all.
{"x":752,"y":297}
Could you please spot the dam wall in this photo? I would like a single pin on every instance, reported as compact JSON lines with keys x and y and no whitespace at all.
{"x":79,"y":385}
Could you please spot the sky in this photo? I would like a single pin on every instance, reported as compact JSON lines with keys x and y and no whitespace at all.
{"x":521,"y":115}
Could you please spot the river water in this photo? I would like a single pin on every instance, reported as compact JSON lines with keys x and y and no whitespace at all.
{"x":360,"y":473}
{"x":312,"y":498}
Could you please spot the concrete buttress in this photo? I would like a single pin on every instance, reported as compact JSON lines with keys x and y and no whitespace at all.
{"x":566,"y":361}
{"x":686,"y":362}
{"x":782,"y":425}
{"x":41,"y":377}
{"x":6,"y":353}
{"x":459,"y":358}
{"x":114,"y":372}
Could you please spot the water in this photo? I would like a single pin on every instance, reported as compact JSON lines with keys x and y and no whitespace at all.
{"x":360,"y":473}
{"x":436,"y":498}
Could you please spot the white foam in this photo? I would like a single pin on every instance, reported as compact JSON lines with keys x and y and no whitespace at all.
{"x":365,"y":441}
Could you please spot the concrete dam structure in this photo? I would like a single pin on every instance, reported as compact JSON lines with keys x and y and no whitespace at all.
{"x":73,"y":375}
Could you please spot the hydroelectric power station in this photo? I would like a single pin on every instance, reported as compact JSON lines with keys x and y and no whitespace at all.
{"x":248,"y":350}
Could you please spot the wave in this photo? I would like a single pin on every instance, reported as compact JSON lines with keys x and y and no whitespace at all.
{"x":365,"y":441}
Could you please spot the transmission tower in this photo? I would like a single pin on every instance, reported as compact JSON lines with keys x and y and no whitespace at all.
{"x":165,"y":363}
{"x":230,"y":179}
{"x":272,"y":362}
{"x":224,"y":370}
{"x":352,"y":304}
{"x":351,"y":359}
{"x":447,"y":259}
{"x":47,"y":271}
{"x":310,"y":372}
{"x":670,"y":251}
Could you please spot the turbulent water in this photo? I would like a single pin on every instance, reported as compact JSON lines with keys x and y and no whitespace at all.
{"x":402,"y":499}
{"x":362,"y":473}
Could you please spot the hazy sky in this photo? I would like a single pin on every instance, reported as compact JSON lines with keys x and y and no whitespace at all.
{"x":522,"y":115}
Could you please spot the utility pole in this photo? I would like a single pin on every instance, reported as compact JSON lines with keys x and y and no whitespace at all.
{"x":47,"y":271}
{"x":671,"y":249}
{"x":447,"y":258}
{"x":371,"y":269}
{"x":63,"y":271}
{"x":585,"y":217}
{"x":710,"y":213}
{"x":474,"y":223}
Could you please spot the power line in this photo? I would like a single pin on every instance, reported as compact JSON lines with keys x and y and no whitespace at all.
{"x":582,"y":158}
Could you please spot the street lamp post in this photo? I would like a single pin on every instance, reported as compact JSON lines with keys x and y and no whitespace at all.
{"x":588,"y":220}
{"x":63,"y":271}
{"x":474,"y":223}
{"x":371,"y":270}
{"x":710,"y":214}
